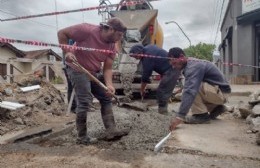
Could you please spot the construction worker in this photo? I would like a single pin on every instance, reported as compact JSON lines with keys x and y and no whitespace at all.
{"x":205,"y":90}
{"x":162,"y":67}
{"x":103,"y":36}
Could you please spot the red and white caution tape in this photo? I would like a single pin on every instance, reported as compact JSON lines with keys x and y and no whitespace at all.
{"x":130,"y":3}
{"x":63,"y":46}
{"x":236,"y":64}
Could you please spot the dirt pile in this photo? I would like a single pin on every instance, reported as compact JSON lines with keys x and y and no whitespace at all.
{"x":40,"y":106}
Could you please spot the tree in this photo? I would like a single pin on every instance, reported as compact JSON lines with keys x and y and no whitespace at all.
{"x":201,"y":51}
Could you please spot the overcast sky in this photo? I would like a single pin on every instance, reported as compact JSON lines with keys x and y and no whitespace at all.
{"x":198,"y":19}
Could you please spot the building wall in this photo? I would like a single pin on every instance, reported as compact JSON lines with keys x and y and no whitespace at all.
{"x":39,"y":61}
{"x":20,"y":66}
{"x":229,"y":22}
{"x":246,"y":48}
{"x":240,"y":47}
{"x":5,"y":54}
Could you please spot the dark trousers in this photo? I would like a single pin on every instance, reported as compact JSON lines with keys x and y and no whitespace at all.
{"x":84,"y":89}
{"x":69,"y":91}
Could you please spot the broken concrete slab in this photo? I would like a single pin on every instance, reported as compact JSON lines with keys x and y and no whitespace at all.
{"x":57,"y":130}
{"x":255,"y":124}
{"x":25,"y":134}
{"x":245,"y":110}
{"x":256,"y":110}
{"x":220,"y":137}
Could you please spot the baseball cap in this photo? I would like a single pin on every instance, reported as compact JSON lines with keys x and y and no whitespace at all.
{"x":116,"y":24}
{"x":136,"y":49}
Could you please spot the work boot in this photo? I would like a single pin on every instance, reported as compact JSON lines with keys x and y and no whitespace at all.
{"x":197,"y":119}
{"x":82,"y":131}
{"x":220,"y":109}
{"x":163,"y":110}
{"x":112,"y":133}
{"x":86,"y":140}
{"x":115,"y":134}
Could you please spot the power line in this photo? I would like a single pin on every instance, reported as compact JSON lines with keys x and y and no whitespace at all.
{"x":130,"y":3}
{"x":28,"y":20}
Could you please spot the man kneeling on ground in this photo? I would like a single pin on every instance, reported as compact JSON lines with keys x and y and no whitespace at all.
{"x":205,"y":90}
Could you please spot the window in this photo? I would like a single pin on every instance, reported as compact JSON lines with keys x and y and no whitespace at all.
{"x":52,"y":58}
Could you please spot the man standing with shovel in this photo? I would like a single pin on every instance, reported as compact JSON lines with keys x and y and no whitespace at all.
{"x":103,"y":36}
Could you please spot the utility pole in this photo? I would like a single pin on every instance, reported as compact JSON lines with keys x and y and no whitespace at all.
{"x":57,"y":26}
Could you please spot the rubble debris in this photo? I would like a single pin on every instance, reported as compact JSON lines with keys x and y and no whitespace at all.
{"x":255,"y":124}
{"x":256,"y":110}
{"x":245,"y":110}
{"x":8,"y":91}
{"x":230,"y":109}
{"x":251,"y":112}
{"x":29,"y":79}
{"x":38,"y":106}
{"x":29,"y":88}
{"x":10,"y":105}
{"x":254,"y":98}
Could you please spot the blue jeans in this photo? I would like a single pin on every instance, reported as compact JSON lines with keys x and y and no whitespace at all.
{"x":166,"y":86}
{"x":84,"y":88}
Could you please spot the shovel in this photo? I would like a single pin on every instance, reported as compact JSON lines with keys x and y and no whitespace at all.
{"x":93,"y":78}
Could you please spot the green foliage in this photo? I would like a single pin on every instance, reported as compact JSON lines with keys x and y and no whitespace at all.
{"x":201,"y":51}
{"x":57,"y":80}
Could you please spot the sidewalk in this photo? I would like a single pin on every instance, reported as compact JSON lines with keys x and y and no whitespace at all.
{"x":244,"y":90}
{"x":226,"y":136}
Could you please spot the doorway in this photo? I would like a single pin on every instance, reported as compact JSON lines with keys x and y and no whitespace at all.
{"x":3,"y":71}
